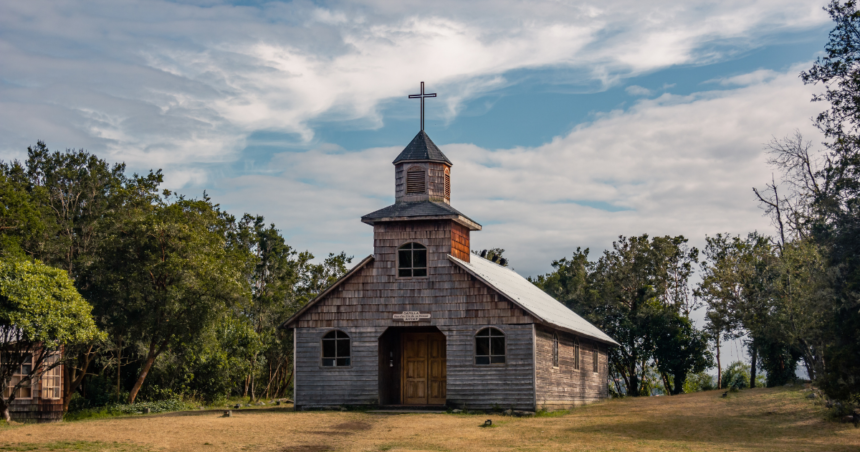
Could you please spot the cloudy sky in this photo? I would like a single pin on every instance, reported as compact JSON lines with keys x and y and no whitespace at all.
{"x":569,"y":123}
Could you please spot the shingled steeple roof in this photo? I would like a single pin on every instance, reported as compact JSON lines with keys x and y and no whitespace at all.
{"x":422,"y":148}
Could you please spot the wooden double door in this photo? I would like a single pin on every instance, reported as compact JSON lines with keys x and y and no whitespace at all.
{"x":424,"y":369}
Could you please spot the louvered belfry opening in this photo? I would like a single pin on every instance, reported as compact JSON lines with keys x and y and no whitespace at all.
{"x":447,"y":184}
{"x":415,"y":181}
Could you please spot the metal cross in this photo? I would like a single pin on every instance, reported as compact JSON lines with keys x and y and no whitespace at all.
{"x":422,"y":96}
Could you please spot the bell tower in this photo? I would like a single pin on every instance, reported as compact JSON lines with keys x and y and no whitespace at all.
{"x":413,"y":237}
{"x":422,"y":172}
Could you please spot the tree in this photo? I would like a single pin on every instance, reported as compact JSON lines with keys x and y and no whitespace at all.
{"x":40,"y":311}
{"x":679,"y":349}
{"x":839,"y":205}
{"x":20,"y":218}
{"x":165,"y":275}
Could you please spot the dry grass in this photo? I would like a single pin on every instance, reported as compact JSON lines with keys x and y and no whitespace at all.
{"x":760,"y":419}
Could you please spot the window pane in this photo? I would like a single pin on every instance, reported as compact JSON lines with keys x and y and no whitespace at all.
{"x":418,"y":246}
{"x":328,"y":348}
{"x":498,"y":345}
{"x":330,"y":334}
{"x":405,"y":259}
{"x":498,"y":359}
{"x":341,"y":334}
{"x":495,"y":332}
{"x":482,"y":360}
{"x":328,"y":362}
{"x":404,"y":272}
{"x":420,"y":257}
{"x":342,"y":348}
{"x":342,"y":362}
{"x":485,"y":332}
{"x":419,"y":272}
{"x":483,"y":346}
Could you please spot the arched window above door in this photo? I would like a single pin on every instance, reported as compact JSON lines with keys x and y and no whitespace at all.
{"x":412,"y":261}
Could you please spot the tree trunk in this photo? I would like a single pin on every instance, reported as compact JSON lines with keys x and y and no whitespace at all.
{"x":118,"y":368}
{"x":666,"y":385}
{"x":147,"y":365}
{"x":719,"y":366}
{"x":753,"y":365}
{"x":5,"y":409}
{"x":72,"y":380}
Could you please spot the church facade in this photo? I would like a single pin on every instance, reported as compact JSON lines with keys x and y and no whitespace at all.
{"x":425,"y":322}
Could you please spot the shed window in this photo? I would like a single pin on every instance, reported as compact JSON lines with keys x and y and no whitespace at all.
{"x":596,"y":360}
{"x":555,"y":350}
{"x":25,"y":391}
{"x":415,"y":181}
{"x":335,"y":349}
{"x":51,"y":379}
{"x":489,"y":347}
{"x":412,"y":260}
{"x":576,"y":354}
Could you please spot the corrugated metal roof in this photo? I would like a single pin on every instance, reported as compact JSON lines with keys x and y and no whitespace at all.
{"x":422,"y":148}
{"x":531,"y":298}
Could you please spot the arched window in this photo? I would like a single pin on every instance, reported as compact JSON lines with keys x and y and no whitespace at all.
{"x":447,"y":184}
{"x":555,"y":350}
{"x":576,"y":353}
{"x":412,"y":260}
{"x":415,"y":181}
{"x":489,"y":347}
{"x":335,"y":349}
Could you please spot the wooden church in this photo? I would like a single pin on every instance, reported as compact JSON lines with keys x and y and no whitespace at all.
{"x":424,"y":322}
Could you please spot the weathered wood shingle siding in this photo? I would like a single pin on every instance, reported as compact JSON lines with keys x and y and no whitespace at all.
{"x":483,"y":387}
{"x":564,"y":386}
{"x":324,"y":386}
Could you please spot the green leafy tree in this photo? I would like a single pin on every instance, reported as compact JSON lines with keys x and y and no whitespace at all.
{"x":679,"y":349}
{"x":40,"y":311}
{"x":838,"y":205}
{"x":20,"y":218}
{"x":165,"y":275}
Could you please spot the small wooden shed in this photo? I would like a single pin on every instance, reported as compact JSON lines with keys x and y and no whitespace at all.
{"x":424,"y":322}
{"x":42,"y":399}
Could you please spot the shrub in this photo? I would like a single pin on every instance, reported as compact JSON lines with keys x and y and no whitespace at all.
{"x":699,"y":382}
{"x":736,"y":376}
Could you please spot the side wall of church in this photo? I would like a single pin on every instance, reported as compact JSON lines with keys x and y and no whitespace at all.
{"x":565,"y":386}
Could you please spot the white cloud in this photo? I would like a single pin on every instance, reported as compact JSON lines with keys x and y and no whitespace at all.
{"x":635,"y":90}
{"x":165,"y":83}
{"x":678,"y":164}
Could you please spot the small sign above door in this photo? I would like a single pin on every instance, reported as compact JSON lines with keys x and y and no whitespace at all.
{"x":411,"y":316}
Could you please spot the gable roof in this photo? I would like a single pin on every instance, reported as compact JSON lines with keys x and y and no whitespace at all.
{"x":422,"y":148}
{"x":328,"y":290}
{"x":420,"y":210}
{"x":535,"y":301}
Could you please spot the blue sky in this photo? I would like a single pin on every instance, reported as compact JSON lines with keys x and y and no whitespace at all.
{"x":569,"y":123}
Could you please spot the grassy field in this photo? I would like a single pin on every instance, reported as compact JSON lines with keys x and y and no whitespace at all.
{"x":759,"y":420}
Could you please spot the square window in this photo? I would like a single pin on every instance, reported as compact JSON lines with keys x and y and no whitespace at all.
{"x":497,"y":360}
{"x":342,"y":362}
{"x":420,"y":272}
{"x":482,"y":360}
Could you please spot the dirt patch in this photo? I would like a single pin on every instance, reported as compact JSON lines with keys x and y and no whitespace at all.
{"x":352,"y":426}
{"x":307,"y":449}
